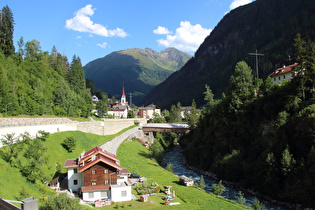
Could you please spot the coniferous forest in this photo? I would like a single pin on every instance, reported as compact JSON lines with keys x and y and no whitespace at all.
{"x":261,"y":135}
{"x":36,"y":82}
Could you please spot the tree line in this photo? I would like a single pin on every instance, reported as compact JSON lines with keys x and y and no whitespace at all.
{"x":261,"y":135}
{"x":36,"y":82}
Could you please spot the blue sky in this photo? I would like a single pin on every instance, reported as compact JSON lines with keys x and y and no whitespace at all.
{"x":92,"y":29}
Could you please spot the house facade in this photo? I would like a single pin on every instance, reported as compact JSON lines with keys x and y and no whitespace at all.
{"x":97,"y":176}
{"x":285,"y":72}
{"x":149,"y":111}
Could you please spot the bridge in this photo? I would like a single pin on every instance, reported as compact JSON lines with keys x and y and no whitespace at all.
{"x":165,"y":127}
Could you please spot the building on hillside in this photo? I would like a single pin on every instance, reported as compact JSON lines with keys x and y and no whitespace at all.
{"x":120,"y":110}
{"x":285,"y":72}
{"x":97,"y":176}
{"x":149,"y":111}
{"x":95,"y":99}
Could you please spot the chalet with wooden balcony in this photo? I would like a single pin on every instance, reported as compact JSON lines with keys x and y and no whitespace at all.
{"x":97,"y":175}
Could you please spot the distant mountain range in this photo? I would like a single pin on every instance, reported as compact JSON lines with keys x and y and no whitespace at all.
{"x":139,"y":70}
{"x":268,"y":26}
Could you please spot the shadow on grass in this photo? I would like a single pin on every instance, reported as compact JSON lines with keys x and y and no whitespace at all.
{"x":146,"y":155}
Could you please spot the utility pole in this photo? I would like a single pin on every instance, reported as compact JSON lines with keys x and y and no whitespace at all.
{"x":130,"y":96}
{"x":256,"y":54}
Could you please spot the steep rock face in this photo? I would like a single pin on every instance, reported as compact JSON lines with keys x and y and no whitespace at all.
{"x":264,"y":25}
{"x":138,"y":69}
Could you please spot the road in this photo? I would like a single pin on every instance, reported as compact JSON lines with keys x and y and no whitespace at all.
{"x":113,"y":144}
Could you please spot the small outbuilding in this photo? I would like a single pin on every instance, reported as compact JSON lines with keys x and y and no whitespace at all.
{"x":186,"y":181}
{"x":144,"y":198}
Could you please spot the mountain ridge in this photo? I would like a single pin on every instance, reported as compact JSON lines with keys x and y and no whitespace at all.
{"x":264,"y":25}
{"x":138,"y":69}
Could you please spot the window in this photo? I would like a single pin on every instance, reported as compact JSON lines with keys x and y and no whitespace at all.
{"x":93,"y":172}
{"x":106,"y":182}
{"x":106,"y":171}
{"x":91,"y":194}
{"x":123,"y":193}
{"x":75,"y":170}
{"x":104,"y":194}
{"x":274,"y":79}
{"x":93,"y":183}
{"x":75,"y":182}
{"x":283,"y":76}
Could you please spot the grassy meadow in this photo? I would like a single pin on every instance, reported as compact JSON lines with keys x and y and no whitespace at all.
{"x":132,"y":155}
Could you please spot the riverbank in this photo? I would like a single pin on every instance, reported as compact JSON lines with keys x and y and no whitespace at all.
{"x":270,"y":202}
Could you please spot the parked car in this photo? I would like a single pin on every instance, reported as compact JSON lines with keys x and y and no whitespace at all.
{"x":135,"y":176}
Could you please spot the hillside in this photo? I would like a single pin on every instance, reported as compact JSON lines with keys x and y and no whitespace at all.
{"x":138,"y":69}
{"x":267,"y":26}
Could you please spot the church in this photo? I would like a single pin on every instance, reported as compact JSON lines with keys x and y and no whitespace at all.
{"x":120,"y":110}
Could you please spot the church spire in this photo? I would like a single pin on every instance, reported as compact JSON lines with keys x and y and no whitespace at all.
{"x":123,"y":95}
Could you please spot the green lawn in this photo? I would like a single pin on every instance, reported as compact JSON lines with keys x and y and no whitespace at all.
{"x":132,"y":155}
{"x":135,"y":158}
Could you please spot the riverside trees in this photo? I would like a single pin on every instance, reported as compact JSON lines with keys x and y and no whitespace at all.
{"x":263,"y":140}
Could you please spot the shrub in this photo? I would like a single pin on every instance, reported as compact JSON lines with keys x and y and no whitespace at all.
{"x":218,"y":189}
{"x":69,"y":144}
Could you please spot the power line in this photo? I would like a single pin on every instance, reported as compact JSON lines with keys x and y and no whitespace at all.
{"x":256,"y":54}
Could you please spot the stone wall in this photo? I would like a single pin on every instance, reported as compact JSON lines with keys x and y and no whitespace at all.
{"x":52,"y":125}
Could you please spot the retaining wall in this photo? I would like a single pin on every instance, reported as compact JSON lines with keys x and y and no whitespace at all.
{"x":53,"y":125}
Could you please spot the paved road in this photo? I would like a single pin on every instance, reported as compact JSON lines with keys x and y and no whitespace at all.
{"x":113,"y":144}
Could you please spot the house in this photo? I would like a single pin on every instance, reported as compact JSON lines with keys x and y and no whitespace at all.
{"x":95,"y":99}
{"x":285,"y":72}
{"x":97,"y":175}
{"x":149,"y":111}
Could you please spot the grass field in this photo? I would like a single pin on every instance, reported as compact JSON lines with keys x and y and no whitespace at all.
{"x":132,"y":155}
{"x":136,"y":159}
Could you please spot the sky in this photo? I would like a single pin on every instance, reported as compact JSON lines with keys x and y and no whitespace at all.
{"x":92,"y":29}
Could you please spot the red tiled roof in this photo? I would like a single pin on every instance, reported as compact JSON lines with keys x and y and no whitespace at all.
{"x":283,"y":70}
{"x":124,"y":171}
{"x":96,"y":151}
{"x":99,"y":159}
{"x":94,"y":188}
{"x":71,"y":163}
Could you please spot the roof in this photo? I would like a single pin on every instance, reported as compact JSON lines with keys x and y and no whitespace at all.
{"x":123,"y":91}
{"x":97,"y":160}
{"x":95,"y":151}
{"x":71,"y":163}
{"x":124,"y":171}
{"x":283,"y":70}
{"x":94,"y":188}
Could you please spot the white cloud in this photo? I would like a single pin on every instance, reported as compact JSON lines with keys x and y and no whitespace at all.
{"x":83,"y":23}
{"x":187,"y":37}
{"x":237,"y":3}
{"x":162,"y":30}
{"x":79,"y":37}
{"x":103,"y":45}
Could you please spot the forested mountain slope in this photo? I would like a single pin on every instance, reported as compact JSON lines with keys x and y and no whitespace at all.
{"x":265,"y":25}
{"x":138,"y":69}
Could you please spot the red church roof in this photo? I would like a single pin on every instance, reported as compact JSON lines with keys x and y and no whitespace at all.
{"x":123,"y":91}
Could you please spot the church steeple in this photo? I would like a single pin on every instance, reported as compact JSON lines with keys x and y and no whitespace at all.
{"x":123,"y":95}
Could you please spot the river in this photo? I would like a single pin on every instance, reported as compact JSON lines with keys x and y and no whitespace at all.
{"x":176,"y":157}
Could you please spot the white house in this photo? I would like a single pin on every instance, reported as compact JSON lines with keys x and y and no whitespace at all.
{"x":285,"y":72}
{"x":97,"y":175}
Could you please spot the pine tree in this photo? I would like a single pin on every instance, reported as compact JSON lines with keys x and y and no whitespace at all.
{"x":76,"y":75}
{"x":6,"y":31}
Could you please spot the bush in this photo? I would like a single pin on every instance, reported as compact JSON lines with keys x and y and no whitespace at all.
{"x":218,"y":189}
{"x":61,"y":202}
{"x":69,"y":144}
